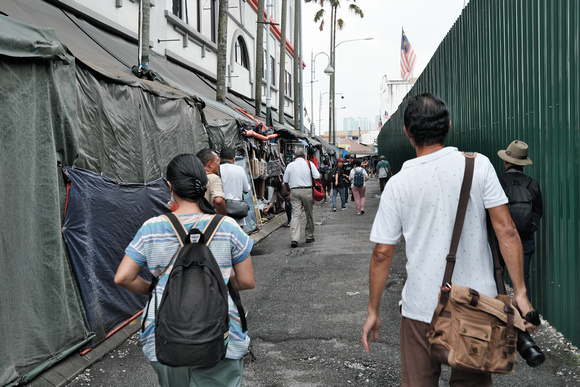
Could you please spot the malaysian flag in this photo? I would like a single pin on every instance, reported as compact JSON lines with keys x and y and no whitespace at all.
{"x":407,"y":57}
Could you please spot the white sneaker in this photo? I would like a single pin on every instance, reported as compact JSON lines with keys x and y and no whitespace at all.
{"x":343,"y":208}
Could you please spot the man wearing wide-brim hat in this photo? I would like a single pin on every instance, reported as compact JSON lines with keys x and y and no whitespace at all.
{"x":525,"y":200}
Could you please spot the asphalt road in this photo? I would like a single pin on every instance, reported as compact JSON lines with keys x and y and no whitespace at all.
{"x":306,"y":313}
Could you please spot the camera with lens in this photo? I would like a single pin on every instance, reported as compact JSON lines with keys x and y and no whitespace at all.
{"x":527,"y":347}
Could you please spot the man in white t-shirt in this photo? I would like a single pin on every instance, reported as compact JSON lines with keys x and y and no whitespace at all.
{"x":234,"y":178}
{"x":298,"y":178}
{"x":420,"y":203}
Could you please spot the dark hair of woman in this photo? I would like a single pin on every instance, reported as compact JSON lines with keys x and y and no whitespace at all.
{"x":426,"y":118}
{"x":189,"y":180}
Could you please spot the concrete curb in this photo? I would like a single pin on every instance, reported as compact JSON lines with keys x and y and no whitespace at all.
{"x":67,"y":370}
{"x":269,"y":227}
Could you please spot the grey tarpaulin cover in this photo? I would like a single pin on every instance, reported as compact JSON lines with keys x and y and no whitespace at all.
{"x":129,"y":134}
{"x":41,"y":311}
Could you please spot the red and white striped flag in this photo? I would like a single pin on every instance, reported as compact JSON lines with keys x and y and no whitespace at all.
{"x":407,"y":57}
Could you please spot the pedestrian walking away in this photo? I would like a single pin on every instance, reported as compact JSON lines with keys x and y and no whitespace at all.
{"x":358,"y":177}
{"x":420,"y":204}
{"x":525,"y":200}
{"x":234,"y":178}
{"x":384,"y":172}
{"x":215,"y":192}
{"x":280,"y":199}
{"x":326,"y":178}
{"x":340,"y":182}
{"x":153,"y":247}
{"x":298,"y":179}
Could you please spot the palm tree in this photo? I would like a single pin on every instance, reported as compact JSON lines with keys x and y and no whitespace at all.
{"x":297,"y":60}
{"x":259,"y":55}
{"x":334,"y":23}
{"x":221,"y":90}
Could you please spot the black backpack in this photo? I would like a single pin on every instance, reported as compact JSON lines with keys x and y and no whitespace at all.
{"x":328,"y":175}
{"x":520,"y":201}
{"x":192,"y":321}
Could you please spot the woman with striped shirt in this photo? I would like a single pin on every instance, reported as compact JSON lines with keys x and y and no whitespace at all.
{"x":153,"y":247}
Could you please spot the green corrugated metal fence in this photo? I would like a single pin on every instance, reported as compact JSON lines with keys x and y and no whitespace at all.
{"x":510,"y":69}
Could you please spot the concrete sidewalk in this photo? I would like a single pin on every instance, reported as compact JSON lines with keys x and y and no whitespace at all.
{"x":67,"y":370}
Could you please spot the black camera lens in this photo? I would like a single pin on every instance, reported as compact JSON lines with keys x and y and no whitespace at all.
{"x":529,"y":350}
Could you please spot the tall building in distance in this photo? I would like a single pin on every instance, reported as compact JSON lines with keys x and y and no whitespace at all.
{"x":352,"y":124}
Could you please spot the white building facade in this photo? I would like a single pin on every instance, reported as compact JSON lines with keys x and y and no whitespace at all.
{"x":186,"y":32}
{"x":392,"y":94}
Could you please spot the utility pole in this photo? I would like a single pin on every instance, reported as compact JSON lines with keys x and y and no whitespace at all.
{"x":269,"y":66}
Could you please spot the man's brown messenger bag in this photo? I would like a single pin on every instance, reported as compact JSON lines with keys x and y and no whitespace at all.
{"x":471,"y":331}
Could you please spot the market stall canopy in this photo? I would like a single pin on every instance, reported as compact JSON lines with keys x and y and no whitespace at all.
{"x":288,"y":130}
{"x":329,"y":149}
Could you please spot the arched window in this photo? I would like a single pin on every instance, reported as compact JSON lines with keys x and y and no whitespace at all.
{"x":241,"y":53}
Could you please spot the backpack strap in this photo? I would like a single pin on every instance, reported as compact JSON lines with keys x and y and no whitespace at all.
{"x":178,"y":227}
{"x":209,"y":232}
{"x":181,"y":233}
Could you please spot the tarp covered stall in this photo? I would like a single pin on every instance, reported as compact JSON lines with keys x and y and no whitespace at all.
{"x":41,"y":314}
{"x":223,"y":122}
{"x":131,"y":135}
{"x":96,"y":243}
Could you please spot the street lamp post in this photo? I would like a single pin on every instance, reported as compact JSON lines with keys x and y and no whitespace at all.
{"x":320,"y":110}
{"x":332,"y":121}
{"x":328,"y":71}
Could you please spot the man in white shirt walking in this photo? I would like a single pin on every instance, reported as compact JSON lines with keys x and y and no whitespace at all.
{"x":298,"y":179}
{"x":420,"y":203}
{"x":234,"y":178}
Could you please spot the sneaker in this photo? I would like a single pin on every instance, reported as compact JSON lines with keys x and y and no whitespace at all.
{"x":362,"y":210}
{"x":310,"y":240}
{"x":333,"y":208}
{"x":294,"y":244}
{"x":343,"y":208}
{"x":358,"y":213}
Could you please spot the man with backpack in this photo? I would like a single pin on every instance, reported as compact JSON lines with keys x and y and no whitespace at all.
{"x":525,"y":199}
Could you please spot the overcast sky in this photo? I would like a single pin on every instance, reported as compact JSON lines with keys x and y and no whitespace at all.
{"x":361,"y":65}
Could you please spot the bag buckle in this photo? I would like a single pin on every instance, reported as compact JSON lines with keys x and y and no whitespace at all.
{"x":446,"y":287}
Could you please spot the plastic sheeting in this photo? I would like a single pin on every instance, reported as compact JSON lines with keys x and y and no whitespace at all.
{"x":102,"y":217}
{"x":41,"y":311}
{"x":131,"y":135}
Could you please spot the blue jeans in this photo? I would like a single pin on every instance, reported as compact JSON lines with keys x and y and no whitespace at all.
{"x":336,"y":191}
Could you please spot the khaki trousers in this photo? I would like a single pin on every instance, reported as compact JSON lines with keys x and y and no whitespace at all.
{"x":302,"y":201}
